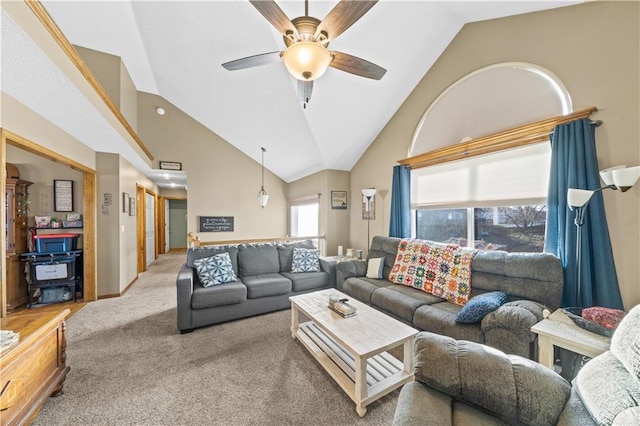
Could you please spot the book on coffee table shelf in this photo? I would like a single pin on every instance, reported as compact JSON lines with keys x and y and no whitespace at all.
{"x":343,"y":309}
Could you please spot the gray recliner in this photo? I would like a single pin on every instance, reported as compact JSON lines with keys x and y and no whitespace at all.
{"x":465,"y":383}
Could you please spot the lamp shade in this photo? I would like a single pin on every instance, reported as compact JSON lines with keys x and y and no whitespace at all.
{"x":578,"y":197}
{"x":625,"y":178}
{"x":607,"y":174}
{"x":263,"y":199}
{"x":306,"y":60}
{"x":369,"y":192}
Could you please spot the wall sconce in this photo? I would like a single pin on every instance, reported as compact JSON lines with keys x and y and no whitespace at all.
{"x":618,"y":177}
{"x":263,"y":197}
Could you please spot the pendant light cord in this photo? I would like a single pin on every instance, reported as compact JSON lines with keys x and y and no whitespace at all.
{"x":263,"y":151}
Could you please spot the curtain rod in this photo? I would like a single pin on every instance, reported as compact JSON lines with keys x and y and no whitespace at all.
{"x":515,"y":137}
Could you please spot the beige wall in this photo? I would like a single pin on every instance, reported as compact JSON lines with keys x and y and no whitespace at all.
{"x":106,"y":68}
{"x":117,"y":238}
{"x":173,"y":192}
{"x":334,"y":224}
{"x":22,"y":121}
{"x":221,"y":180}
{"x":116,"y":81}
{"x":128,"y":98}
{"x":108,"y":235}
{"x":42,"y":172}
{"x":594,"y":49}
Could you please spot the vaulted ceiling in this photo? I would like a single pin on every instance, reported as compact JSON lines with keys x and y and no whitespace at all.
{"x":175,"y":49}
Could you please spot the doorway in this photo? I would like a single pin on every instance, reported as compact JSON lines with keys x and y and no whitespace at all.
{"x":177,"y":224}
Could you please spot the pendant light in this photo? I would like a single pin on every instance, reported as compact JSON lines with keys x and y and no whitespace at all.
{"x":263,"y":197}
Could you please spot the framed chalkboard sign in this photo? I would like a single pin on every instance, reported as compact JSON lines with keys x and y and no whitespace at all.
{"x":216,"y":223}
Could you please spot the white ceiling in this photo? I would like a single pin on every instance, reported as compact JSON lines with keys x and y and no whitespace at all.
{"x":175,"y":50}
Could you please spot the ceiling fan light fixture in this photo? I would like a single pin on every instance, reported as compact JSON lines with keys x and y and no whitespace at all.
{"x":307,"y":60}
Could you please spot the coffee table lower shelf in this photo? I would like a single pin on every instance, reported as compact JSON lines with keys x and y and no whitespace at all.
{"x":384,"y":372}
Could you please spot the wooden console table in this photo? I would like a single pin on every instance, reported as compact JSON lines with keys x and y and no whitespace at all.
{"x":34,"y":368}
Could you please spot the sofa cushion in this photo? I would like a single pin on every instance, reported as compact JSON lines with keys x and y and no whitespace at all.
{"x":218,"y":295}
{"x":256,"y":259}
{"x":215,"y":270}
{"x":375,"y":267}
{"x":362,"y":288}
{"x":305,"y":260}
{"x":308,"y":280}
{"x":607,"y":389}
{"x":265,"y":285}
{"x":479,"y":306}
{"x":625,"y":343}
{"x":533,"y":276}
{"x":206,"y":251}
{"x":285,"y":253}
{"x":401,"y":301}
{"x":441,"y":318}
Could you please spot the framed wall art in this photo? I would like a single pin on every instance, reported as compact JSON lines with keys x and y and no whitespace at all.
{"x":339,"y":200}
{"x":63,"y":195}
{"x":125,"y":202}
{"x":132,"y":206}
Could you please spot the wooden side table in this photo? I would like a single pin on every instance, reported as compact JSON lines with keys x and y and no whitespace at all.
{"x":559,"y":330}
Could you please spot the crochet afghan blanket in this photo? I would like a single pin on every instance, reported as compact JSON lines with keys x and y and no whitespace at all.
{"x":443,"y":270}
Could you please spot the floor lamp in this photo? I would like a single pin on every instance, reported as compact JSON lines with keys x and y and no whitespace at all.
{"x":617,"y":178}
{"x":368,"y":193}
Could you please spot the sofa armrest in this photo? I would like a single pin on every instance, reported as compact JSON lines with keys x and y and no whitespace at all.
{"x":421,"y":405}
{"x":348,"y":269}
{"x":512,"y":388}
{"x":184,"y":287}
{"x":516,"y":317}
{"x":329,"y":266}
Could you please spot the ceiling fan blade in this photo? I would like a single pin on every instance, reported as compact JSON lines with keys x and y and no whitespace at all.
{"x":305,"y":87}
{"x":354,"y":65}
{"x":276,"y":17}
{"x":252,"y":61}
{"x":342,"y":16}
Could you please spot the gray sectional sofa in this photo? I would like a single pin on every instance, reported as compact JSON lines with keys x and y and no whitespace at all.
{"x":532,"y":281}
{"x":265,"y":282}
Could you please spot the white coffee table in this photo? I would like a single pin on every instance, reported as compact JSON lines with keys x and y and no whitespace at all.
{"x":353,"y":350}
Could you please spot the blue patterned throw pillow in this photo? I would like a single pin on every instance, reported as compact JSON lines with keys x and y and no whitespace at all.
{"x":214,"y":270}
{"x":305,"y":260}
{"x":479,"y":306}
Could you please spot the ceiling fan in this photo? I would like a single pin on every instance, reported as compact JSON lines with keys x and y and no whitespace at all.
{"x":306,"y":38}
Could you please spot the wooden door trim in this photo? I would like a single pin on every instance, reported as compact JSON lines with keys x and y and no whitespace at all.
{"x":140,"y":228}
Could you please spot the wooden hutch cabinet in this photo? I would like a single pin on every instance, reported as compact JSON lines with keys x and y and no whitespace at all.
{"x":17,"y":209}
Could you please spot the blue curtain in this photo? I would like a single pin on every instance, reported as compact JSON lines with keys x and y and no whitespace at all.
{"x":574,"y":165}
{"x":400,"y":222}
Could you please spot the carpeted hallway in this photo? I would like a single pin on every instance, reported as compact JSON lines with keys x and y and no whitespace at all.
{"x":130,"y":366}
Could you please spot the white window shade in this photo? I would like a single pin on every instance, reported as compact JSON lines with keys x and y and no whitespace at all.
{"x":513,"y":177}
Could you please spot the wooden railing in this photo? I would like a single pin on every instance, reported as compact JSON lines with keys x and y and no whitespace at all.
{"x":319,"y":241}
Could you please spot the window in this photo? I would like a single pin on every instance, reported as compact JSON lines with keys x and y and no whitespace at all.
{"x":508,"y":228}
{"x":490,"y":202}
{"x":304,"y":217}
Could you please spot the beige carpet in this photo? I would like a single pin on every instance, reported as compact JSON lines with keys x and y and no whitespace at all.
{"x":130,"y":366}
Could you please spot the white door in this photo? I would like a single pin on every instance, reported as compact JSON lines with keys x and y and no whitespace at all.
{"x":150,"y":237}
{"x":167,"y":228}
